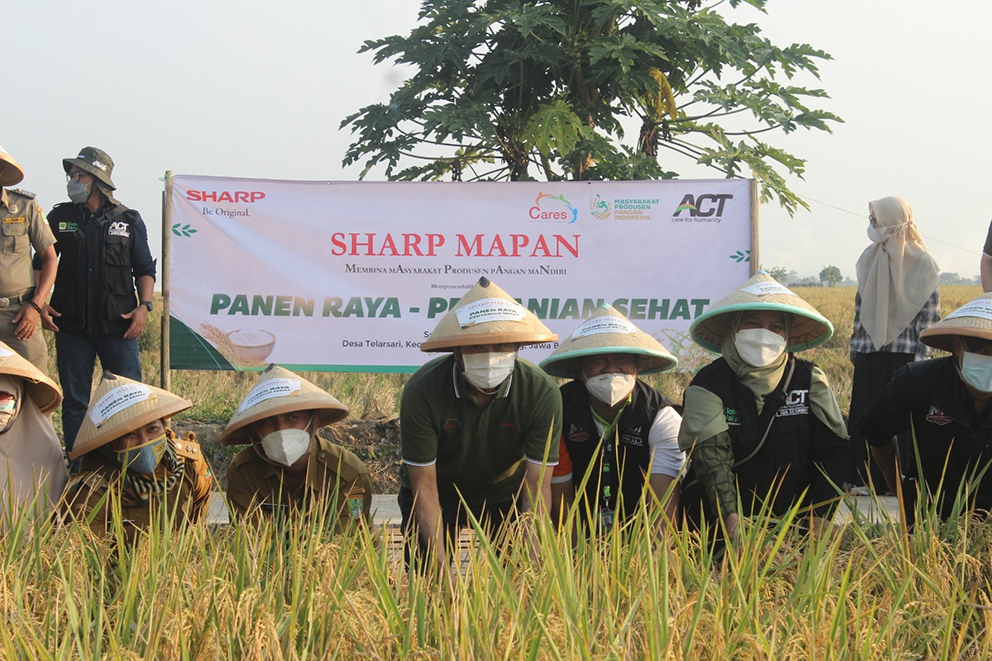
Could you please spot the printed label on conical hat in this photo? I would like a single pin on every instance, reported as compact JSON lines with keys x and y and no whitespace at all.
{"x":117,"y":400}
{"x":489,"y":309}
{"x":766,"y":288}
{"x":981,"y":307}
{"x":5,"y":353}
{"x":604,"y":324}
{"x":268,"y":390}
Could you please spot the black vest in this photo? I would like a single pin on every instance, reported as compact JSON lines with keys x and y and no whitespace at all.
{"x":629,"y":454}
{"x":784,"y":466}
{"x":94,"y":285}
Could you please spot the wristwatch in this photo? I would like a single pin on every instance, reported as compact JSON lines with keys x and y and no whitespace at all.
{"x":147,"y":304}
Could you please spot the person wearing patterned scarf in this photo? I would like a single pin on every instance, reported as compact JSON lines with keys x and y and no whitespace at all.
{"x":131,"y":460}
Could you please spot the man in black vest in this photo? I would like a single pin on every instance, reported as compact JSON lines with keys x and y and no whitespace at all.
{"x":945,"y":403}
{"x":103,"y":248}
{"x":618,"y":433}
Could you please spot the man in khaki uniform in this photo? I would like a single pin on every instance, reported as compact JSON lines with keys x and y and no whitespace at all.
{"x":127,"y":449}
{"x":289,"y":469}
{"x":21,"y":302}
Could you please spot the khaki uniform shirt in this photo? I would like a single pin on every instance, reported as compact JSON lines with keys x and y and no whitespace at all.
{"x":188,"y":498}
{"x":23,"y":226}
{"x":335,"y":478}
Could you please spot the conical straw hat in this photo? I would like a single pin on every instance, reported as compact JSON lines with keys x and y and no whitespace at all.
{"x":11,"y":173}
{"x":487,"y":315}
{"x":276,"y":391}
{"x":808,"y":329}
{"x":42,"y":389}
{"x":120,"y":406}
{"x":608,"y":331}
{"x":973,"y":319}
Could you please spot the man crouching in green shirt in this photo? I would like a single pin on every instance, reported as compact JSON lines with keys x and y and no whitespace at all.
{"x":479,"y":425}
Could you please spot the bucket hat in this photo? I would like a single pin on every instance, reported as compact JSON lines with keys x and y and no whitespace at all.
{"x":973,"y":319}
{"x":808,"y":329}
{"x":276,"y":391}
{"x":118,"y":407}
{"x":605,"y":332}
{"x":40,"y":387}
{"x":11,"y":173}
{"x":95,"y":161}
{"x":487,"y":315}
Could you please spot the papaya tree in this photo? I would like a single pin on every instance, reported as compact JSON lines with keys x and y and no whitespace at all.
{"x":588,"y":89}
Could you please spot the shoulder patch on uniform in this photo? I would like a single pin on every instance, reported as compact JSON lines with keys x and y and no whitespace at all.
{"x":20,"y":191}
{"x":188,"y":448}
{"x":243,"y":457}
{"x":92,"y":480}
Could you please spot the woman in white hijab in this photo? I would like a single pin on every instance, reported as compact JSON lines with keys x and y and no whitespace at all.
{"x":32,"y":468}
{"x":897,"y":299}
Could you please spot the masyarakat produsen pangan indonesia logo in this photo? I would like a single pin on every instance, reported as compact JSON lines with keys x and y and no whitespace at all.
{"x":553,"y":209}
{"x":599,"y":208}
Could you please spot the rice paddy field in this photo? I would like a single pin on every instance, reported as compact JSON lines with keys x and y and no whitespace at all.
{"x":865,"y":590}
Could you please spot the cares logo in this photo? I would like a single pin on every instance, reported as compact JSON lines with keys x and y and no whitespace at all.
{"x":706,"y":205}
{"x":246,"y":197}
{"x":553,"y":209}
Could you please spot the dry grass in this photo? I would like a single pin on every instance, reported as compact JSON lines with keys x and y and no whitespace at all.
{"x":864,"y":591}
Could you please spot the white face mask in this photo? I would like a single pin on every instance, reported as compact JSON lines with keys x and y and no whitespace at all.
{"x":286,"y":446}
{"x":875,"y":234}
{"x":611,"y":388}
{"x":976,"y":371}
{"x":485,"y":371}
{"x":759,"y":347}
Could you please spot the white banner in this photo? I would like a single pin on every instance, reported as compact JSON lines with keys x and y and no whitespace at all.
{"x":353,"y":276}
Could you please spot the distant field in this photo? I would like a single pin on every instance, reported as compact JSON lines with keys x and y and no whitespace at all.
{"x":215,"y":395}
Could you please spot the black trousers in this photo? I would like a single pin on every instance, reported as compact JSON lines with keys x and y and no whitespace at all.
{"x":454,"y":517}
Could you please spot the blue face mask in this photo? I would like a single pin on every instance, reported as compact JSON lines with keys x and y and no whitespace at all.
{"x":976,"y":371}
{"x":143,"y":458}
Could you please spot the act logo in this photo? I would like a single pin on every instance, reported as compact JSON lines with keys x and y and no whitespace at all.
{"x":707,"y":205}
{"x":599,"y":208}
{"x":553,"y":209}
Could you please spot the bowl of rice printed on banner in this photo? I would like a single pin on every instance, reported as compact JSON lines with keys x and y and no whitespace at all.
{"x":252,"y":345}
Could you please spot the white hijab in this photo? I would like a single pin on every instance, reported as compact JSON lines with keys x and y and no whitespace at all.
{"x":896,"y":273}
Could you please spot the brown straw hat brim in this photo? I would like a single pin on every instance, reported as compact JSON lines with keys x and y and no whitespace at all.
{"x":120,"y":406}
{"x":973,"y":319}
{"x":278,"y":391}
{"x":45,"y":393}
{"x":487,"y":315}
{"x":808,"y":328}
{"x":608,"y":332}
{"x":11,"y":172}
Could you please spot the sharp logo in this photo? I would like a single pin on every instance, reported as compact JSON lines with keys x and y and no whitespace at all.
{"x":242,"y":196}
{"x":706,"y":205}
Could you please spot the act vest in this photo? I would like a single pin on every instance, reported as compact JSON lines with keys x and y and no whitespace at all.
{"x":784,"y":465}
{"x":626,"y":449}
{"x":94,"y":280}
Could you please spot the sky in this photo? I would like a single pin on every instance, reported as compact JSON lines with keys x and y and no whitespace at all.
{"x":258,"y":89}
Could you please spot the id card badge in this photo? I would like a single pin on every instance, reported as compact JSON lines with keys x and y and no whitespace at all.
{"x":606,"y":516}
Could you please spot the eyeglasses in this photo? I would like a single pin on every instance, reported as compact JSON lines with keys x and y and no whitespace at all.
{"x":74,"y":176}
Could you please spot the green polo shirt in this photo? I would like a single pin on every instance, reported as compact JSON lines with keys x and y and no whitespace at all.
{"x":480,"y":451}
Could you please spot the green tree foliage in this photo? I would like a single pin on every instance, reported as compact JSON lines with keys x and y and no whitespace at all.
{"x":830,"y":275}
{"x":593,"y":89}
{"x":779,"y":273}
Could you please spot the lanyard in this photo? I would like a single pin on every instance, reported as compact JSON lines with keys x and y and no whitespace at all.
{"x":607,"y":470}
